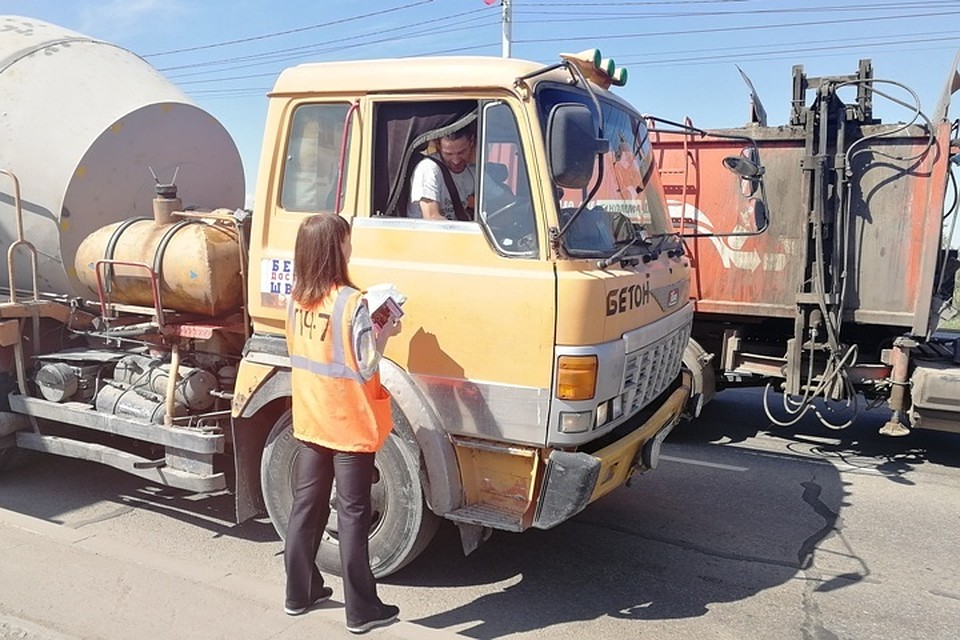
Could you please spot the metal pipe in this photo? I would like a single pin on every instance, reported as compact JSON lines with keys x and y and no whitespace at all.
{"x":172,"y":384}
{"x":18,"y":356}
{"x":19,"y":242}
{"x":900,"y":365}
{"x":163,"y":209}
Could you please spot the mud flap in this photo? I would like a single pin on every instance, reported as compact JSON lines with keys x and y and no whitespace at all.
{"x":472,"y":536}
{"x":248,"y":437}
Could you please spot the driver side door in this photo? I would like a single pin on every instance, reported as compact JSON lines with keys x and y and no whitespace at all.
{"x":478,"y":329}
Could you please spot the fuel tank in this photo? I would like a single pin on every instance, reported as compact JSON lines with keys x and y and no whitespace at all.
{"x":82,"y":124}
{"x":196,"y":263}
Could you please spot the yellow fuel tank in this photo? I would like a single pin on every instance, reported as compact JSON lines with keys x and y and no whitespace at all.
{"x":197,"y":263}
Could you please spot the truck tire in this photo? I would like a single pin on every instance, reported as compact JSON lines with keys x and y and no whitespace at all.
{"x":402,"y":524}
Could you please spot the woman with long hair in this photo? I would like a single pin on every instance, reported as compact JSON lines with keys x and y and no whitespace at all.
{"x":341,"y":418}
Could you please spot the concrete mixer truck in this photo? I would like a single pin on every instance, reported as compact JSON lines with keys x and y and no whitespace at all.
{"x":539,"y":364}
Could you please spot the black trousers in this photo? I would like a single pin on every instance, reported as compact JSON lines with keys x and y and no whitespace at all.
{"x":315,"y":469}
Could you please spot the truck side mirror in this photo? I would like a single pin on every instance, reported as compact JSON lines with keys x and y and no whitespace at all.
{"x":747,"y":166}
{"x":573,"y":145}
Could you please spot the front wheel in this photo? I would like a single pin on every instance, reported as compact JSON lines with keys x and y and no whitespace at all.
{"x":402,"y":523}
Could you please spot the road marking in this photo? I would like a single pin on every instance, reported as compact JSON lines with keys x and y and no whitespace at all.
{"x":701,"y":463}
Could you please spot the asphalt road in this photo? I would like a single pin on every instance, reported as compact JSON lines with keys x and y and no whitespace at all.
{"x":745,"y":530}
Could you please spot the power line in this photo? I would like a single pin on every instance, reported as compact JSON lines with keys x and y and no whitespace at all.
{"x":287,"y":32}
{"x":791,"y":48}
{"x":250,"y":91}
{"x":329,"y":46}
{"x":686,"y":32}
{"x":479,"y":19}
{"x":547,"y":16}
{"x":637,"y":3}
{"x":553,"y":6}
{"x":823,"y":47}
{"x":295,"y":52}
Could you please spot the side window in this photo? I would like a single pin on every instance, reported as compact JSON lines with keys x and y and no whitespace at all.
{"x":505,"y":202}
{"x":405,"y":133}
{"x":311,"y":167}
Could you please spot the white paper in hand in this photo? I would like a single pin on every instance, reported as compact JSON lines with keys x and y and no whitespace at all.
{"x":384,"y":301}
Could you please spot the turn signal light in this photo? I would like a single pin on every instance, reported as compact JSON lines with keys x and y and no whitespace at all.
{"x":576,"y":377}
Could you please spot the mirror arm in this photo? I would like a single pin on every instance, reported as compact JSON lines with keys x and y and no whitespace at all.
{"x":740,"y":234}
{"x":575,"y":71}
{"x":583,"y":205}
{"x":758,"y":177}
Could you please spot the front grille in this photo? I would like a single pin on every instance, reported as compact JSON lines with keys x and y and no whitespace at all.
{"x":650,"y":370}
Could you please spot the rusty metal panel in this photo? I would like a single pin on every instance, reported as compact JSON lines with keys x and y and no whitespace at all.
{"x":898,"y":210}
{"x":738,"y":275}
{"x":896,"y":207}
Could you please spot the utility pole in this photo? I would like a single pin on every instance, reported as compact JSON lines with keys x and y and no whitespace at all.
{"x":506,"y":8}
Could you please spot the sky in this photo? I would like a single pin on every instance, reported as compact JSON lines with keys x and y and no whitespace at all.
{"x":682,"y":56}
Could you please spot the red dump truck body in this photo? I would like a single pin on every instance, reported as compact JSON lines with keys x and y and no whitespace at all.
{"x":896,"y":214}
{"x":850,"y":275}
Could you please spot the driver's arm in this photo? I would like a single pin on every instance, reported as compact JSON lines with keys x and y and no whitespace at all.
{"x":431,"y":209}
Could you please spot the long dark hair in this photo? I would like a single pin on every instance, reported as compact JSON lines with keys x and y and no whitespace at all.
{"x":319,"y":263}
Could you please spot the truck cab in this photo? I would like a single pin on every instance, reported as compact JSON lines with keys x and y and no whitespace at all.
{"x":538,"y":366}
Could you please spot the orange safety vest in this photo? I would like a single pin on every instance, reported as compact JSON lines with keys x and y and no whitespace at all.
{"x":332,"y":405}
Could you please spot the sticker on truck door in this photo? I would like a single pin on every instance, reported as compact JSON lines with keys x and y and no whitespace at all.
{"x":276,"y":281}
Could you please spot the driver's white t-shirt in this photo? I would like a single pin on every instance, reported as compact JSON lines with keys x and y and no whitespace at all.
{"x":427,"y":182}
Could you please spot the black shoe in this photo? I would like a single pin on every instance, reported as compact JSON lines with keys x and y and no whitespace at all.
{"x":322,"y":597}
{"x":388,"y":613}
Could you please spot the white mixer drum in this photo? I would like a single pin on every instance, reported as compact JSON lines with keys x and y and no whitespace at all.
{"x":82,"y":122}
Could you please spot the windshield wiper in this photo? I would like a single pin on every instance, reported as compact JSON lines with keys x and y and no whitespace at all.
{"x":652,"y":254}
{"x":606,"y":262}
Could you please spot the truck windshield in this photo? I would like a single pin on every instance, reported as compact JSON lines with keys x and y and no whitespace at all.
{"x":630,"y":198}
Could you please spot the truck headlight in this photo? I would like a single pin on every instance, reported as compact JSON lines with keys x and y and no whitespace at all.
{"x":576,"y":421}
{"x":576,"y":377}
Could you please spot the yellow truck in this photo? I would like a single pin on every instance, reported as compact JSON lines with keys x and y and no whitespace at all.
{"x":539,"y":363}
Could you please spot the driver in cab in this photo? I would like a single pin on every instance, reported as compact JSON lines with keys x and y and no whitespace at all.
{"x":443,"y":183}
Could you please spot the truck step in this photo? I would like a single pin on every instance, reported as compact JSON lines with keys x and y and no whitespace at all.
{"x":487,"y":515}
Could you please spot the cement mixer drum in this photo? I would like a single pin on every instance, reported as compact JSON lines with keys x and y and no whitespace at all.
{"x":82,"y":123}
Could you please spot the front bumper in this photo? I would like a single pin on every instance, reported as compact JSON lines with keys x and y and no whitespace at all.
{"x":575,"y":479}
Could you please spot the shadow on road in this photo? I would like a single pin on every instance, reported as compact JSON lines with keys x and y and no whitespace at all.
{"x":714,"y":524}
{"x":67,"y":485}
{"x":859,"y":445}
{"x":681,"y":540}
